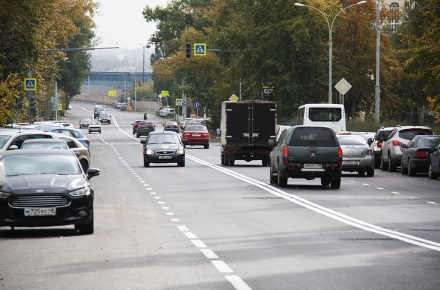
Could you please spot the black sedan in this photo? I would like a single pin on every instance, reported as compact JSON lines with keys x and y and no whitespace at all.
{"x":144,"y":128}
{"x":171,"y":126}
{"x":163,"y":147}
{"x":40,"y":188}
{"x":415,"y":154}
{"x":84,"y":123}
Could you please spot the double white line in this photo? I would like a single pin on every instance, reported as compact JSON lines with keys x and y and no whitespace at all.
{"x":324,"y":211}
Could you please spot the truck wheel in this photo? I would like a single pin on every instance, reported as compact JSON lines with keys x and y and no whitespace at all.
{"x":231,"y":163}
{"x":336,"y":181}
{"x":325,"y":181}
{"x":370,"y":172}
{"x":282,"y":181}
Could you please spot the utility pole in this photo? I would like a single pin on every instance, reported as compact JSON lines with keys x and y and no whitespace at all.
{"x":377,"y":87}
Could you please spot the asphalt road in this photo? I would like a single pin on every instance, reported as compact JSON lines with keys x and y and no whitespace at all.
{"x":207,"y":226}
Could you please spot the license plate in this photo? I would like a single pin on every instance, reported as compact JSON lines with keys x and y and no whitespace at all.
{"x":312,"y":166}
{"x":49,"y":211}
{"x":165,"y":157}
{"x":196,"y":135}
{"x":350,"y":162}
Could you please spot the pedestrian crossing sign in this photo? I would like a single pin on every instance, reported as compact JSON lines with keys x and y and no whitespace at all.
{"x":30,"y":84}
{"x":199,"y":49}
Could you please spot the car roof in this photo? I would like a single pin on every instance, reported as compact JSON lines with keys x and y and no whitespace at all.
{"x":163,"y":132}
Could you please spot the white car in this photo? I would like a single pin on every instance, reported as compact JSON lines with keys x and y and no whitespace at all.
{"x":95,"y":127}
{"x":13,"y":139}
{"x":166,"y":112}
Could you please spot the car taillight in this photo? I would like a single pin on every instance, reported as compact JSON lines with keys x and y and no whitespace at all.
{"x":205,"y":135}
{"x":340,"y":152}
{"x":379,"y":144}
{"x":367,"y":152}
{"x":420,"y":155}
{"x":185,"y":134}
{"x":397,"y":143}
{"x":285,"y":151}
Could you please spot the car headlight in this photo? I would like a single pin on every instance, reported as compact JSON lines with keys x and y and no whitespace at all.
{"x":180,"y":151}
{"x":81,"y":191}
{"x":4,"y":194}
{"x":150,"y":152}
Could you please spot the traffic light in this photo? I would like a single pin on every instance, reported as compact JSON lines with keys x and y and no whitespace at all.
{"x":32,"y":103}
{"x":188,"y":49}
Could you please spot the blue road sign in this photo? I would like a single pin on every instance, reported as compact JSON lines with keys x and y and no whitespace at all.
{"x":196,"y":105}
{"x":184,"y":104}
{"x":30,"y":84}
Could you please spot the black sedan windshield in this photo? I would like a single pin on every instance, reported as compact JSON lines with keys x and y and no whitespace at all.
{"x":27,"y":164}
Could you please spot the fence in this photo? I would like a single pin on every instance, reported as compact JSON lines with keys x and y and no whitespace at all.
{"x":139,"y":106}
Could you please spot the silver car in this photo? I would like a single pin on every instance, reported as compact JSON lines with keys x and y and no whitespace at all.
{"x":356,"y":155}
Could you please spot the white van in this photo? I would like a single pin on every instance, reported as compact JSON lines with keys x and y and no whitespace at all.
{"x":329,"y":115}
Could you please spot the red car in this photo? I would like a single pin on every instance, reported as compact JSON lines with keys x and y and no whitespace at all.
{"x":135,"y":125}
{"x":196,"y":135}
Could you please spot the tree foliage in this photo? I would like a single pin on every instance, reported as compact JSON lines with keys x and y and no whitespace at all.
{"x":28,"y":28}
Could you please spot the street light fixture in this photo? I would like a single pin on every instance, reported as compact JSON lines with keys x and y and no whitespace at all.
{"x":330,"y":41}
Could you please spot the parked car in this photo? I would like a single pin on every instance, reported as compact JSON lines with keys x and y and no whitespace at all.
{"x":79,"y":149}
{"x":391,"y":151}
{"x":84,"y":123}
{"x":171,"y":126}
{"x":163,"y":147}
{"x":41,"y":188}
{"x":123,"y":107}
{"x":166,"y":112}
{"x":357,"y":155}
{"x":163,"y":107}
{"x":72,"y":132}
{"x":13,"y":139}
{"x":278,"y":130}
{"x":44,"y":144}
{"x":135,"y":125}
{"x":434,"y":162}
{"x":104,"y":117}
{"x":415,"y":154}
{"x":95,"y":127}
{"x":376,"y":143}
{"x":144,"y":128}
{"x":196,"y":135}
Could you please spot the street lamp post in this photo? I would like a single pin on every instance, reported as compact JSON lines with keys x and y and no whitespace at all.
{"x":330,"y":41}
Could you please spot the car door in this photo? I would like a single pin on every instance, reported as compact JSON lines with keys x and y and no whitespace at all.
{"x":386,"y":146}
{"x":435,"y":159}
{"x":275,"y":153}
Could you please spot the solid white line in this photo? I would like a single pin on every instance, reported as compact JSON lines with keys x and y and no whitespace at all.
{"x":221,"y":266}
{"x":209,"y":253}
{"x":323,"y":210}
{"x":237,"y":282}
{"x":190,"y":235}
{"x":198,"y":243}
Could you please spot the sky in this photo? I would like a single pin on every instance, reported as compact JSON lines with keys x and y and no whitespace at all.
{"x":121,"y":23}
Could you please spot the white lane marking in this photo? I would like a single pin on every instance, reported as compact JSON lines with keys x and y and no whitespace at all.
{"x":431,"y":202}
{"x":237,"y":282}
{"x":142,"y":181}
{"x":152,"y":192}
{"x":365,"y":184}
{"x":175,"y":220}
{"x":412,"y":197}
{"x":183,"y":228}
{"x":157,"y":197}
{"x":149,"y":188}
{"x":395,"y":192}
{"x":221,"y":266}
{"x":102,"y":139}
{"x":198,"y":243}
{"x":379,"y":187}
{"x":170,"y":213}
{"x":165,"y":207}
{"x":161,"y":202}
{"x":209,"y":253}
{"x":352,"y":180}
{"x":323,"y":210}
{"x":190,"y":235}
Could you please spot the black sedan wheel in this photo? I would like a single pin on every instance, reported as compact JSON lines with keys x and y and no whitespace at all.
{"x":411,"y":170}
{"x":432,"y":175}
{"x":86,"y":229}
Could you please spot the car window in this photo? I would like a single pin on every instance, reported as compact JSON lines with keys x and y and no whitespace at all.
{"x":18,"y":141}
{"x":391,"y":135}
{"x":163,"y":138}
{"x":195,"y":128}
{"x":411,"y":133}
{"x":70,"y":143}
{"x":382,"y":135}
{"x":427,"y":142}
{"x":349,"y":140}
{"x":4,"y":139}
{"x":313,"y":136}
